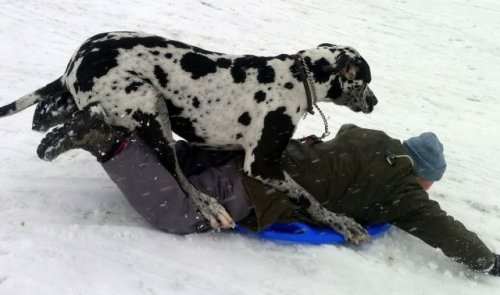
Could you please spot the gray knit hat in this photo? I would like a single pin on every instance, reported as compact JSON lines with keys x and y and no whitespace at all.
{"x":427,"y":153}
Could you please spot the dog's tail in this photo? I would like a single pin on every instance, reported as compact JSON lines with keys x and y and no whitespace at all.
{"x":50,"y":90}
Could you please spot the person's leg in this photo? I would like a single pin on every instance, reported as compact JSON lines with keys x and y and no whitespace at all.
{"x":153,"y":191}
{"x":156,"y":195}
{"x":146,"y":184}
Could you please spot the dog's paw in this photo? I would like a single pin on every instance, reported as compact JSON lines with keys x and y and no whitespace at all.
{"x":216,"y":214}
{"x":350,"y":229}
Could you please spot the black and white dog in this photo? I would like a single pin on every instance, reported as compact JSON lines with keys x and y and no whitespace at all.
{"x":155,"y":86}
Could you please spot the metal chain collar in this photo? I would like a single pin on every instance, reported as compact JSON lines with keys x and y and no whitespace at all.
{"x":310,"y":83}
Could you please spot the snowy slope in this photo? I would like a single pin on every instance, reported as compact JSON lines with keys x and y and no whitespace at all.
{"x":65,"y":228}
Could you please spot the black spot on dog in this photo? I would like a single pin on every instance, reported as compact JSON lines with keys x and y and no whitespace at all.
{"x":298,"y":109}
{"x":335,"y":90}
{"x":198,"y":65}
{"x":96,"y":37}
{"x":173,"y":110}
{"x":5,"y":110}
{"x":239,"y":135}
{"x":318,"y":70}
{"x":161,"y":76}
{"x":277,"y":131}
{"x":265,"y":73}
{"x":128,"y":111}
{"x":168,"y":55}
{"x":196,"y":102}
{"x":133,"y":87}
{"x":326,"y":45}
{"x":182,"y":126}
{"x":178,"y":44}
{"x":70,"y":66}
{"x":259,"y":96}
{"x":224,"y":63}
{"x":245,"y":119}
{"x":95,"y":64}
{"x":295,"y":72}
{"x":52,"y":89}
{"x":288,"y":85}
{"x":156,"y":52}
{"x":200,"y":50}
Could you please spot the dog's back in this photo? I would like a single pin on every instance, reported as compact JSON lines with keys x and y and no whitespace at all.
{"x":220,"y":98}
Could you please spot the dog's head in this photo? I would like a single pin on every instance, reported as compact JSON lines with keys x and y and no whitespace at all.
{"x":52,"y":112}
{"x":351,"y":75}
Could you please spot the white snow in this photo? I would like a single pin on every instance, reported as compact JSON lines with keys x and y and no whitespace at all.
{"x":65,"y":228}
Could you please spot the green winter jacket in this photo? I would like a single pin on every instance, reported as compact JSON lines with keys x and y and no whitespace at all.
{"x":351,"y":175}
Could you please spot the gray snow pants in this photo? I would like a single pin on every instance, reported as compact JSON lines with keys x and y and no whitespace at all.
{"x":156,"y":195}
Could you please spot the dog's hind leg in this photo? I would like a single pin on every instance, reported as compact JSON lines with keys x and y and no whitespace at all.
{"x":155,"y":129}
{"x":263,"y":162}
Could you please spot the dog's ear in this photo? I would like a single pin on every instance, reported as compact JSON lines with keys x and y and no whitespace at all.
{"x":342,"y":65}
{"x":350,"y":68}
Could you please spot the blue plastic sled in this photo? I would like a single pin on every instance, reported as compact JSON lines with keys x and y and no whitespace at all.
{"x":302,"y":233}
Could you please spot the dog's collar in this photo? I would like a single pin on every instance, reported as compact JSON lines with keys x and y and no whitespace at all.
{"x":303,"y":71}
{"x":311,"y":95}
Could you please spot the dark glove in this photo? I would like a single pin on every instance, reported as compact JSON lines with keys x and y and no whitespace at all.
{"x":495,"y":271}
{"x":84,"y":131}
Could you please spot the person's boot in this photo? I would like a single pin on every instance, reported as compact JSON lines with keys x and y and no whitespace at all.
{"x":84,"y":131}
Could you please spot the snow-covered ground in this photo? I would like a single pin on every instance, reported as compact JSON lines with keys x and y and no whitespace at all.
{"x":65,"y":228}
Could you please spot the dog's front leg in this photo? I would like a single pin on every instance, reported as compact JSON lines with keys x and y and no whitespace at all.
{"x":263,"y":162}
{"x":155,"y":130}
{"x":348,"y":227}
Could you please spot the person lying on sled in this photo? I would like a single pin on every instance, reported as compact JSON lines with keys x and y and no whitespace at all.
{"x":362,"y":173}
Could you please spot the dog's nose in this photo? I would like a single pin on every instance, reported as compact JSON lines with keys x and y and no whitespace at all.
{"x":371,"y":100}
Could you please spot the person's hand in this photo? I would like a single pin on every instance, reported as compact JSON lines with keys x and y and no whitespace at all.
{"x":495,"y":271}
{"x":83,"y":131}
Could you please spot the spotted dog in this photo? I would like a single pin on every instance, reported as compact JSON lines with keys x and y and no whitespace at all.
{"x":154,"y":86}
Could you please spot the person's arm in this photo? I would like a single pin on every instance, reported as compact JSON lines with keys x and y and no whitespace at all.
{"x":424,"y":219}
